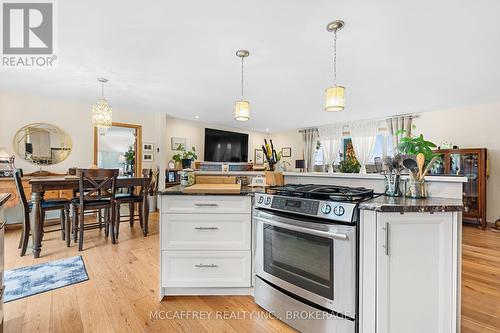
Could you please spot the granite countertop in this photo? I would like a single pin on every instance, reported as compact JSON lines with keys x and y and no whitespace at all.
{"x":406,"y":205}
{"x":178,"y":189}
{"x":3,"y":198}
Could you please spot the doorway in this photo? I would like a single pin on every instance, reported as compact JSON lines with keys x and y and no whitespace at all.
{"x":119,"y":149}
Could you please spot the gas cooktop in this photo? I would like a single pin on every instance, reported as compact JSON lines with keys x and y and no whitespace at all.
{"x":331,"y":202}
{"x":323,"y":192}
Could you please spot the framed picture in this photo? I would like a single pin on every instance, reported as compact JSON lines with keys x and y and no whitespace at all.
{"x":286,"y":152}
{"x":147,"y":157}
{"x":178,"y":143}
{"x":258,"y":156}
{"x":171,"y":176}
{"x":147,"y":146}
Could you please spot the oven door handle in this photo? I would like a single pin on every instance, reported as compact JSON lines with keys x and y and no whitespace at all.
{"x":304,"y":230}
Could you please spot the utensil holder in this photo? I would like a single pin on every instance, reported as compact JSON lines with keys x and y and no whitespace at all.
{"x":416,"y":189}
{"x":392,"y":185}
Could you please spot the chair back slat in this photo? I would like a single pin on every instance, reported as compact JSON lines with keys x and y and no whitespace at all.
{"x":18,"y":174}
{"x":96,"y":184}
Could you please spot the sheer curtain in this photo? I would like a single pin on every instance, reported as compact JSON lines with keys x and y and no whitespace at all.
{"x":364,"y":136}
{"x":398,"y":123}
{"x":309,"y":141}
{"x":330,"y":138}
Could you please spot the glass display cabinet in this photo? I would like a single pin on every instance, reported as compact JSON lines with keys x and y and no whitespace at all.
{"x":473,"y":164}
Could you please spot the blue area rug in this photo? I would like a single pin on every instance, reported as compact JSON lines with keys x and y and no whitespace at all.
{"x":32,"y":280}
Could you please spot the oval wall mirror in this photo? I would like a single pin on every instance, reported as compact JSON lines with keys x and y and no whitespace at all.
{"x":42,"y":144}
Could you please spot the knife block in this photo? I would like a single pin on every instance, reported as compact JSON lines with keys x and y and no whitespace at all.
{"x":274,"y":178}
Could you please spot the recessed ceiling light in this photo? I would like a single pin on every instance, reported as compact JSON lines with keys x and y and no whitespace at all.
{"x":267,"y":129}
{"x":196,"y":117}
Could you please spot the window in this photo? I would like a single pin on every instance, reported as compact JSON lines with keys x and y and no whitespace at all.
{"x":318,"y":156}
{"x":383,"y":147}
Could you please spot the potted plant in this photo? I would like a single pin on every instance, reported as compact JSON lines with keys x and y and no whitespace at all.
{"x":420,"y":150}
{"x":186,"y":157}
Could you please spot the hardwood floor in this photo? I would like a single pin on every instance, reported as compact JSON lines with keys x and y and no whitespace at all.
{"x":122,"y":291}
{"x":480,"y":280}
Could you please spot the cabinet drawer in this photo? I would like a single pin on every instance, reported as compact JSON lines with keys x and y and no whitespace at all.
{"x":203,"y":269}
{"x":206,"y":204}
{"x":205,"y":232}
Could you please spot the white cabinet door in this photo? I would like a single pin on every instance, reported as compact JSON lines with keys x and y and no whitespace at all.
{"x":206,"y":231}
{"x":205,"y":269}
{"x":206,"y":204}
{"x":415,"y":274}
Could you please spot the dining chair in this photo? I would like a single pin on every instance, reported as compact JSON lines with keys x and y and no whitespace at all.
{"x":61,"y":204}
{"x":132,"y":198}
{"x":96,"y":191}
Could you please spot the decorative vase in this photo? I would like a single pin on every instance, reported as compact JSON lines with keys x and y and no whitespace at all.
{"x":186,"y":163}
{"x":416,"y":189}
{"x":392,"y":185}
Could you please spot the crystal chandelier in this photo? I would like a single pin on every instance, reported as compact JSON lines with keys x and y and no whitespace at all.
{"x":102,"y":113}
{"x":242,"y":107}
{"x":334,"y":96}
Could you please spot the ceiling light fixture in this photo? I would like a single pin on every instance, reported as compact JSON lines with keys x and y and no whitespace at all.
{"x":334,"y":96}
{"x":102,"y":113}
{"x":242,"y":107}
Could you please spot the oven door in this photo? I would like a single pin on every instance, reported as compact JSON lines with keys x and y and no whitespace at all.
{"x":314,"y":261}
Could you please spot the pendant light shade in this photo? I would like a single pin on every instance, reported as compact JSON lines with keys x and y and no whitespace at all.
{"x":102,"y":113}
{"x":335,"y":95}
{"x":242,"y":107}
{"x":241,"y":110}
{"x":334,"y":99}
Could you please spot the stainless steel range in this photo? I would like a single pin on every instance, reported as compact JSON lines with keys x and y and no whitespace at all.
{"x":306,"y":255}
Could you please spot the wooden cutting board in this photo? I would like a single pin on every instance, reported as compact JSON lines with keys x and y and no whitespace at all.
{"x":213,"y":189}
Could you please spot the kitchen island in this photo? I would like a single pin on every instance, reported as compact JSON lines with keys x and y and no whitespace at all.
{"x":409,"y":254}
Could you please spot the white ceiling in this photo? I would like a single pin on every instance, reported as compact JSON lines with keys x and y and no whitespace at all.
{"x":178,"y":57}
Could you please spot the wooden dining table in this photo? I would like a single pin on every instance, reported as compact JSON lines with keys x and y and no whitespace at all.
{"x":41,"y":184}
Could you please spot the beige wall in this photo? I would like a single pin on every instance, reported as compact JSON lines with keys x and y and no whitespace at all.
{"x":194,"y":132}
{"x":471,"y":127}
{"x":292,"y":139}
{"x":74,"y":118}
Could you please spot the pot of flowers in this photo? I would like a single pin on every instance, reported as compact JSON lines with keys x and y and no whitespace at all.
{"x":186,"y":157}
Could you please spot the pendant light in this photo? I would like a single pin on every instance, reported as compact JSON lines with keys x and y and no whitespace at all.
{"x":242,"y":107}
{"x":334,"y":96}
{"x":102,"y":113}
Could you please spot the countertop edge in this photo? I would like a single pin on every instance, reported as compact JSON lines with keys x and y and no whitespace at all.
{"x":385,"y":204}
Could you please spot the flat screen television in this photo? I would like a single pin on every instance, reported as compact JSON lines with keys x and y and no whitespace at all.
{"x":224,"y":146}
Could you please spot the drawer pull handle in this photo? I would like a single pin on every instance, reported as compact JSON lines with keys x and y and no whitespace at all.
{"x":206,"y":228}
{"x":206,"y":266}
{"x":206,"y":205}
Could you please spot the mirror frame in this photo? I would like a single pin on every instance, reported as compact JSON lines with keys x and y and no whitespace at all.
{"x":15,"y":144}
{"x":138,"y":145}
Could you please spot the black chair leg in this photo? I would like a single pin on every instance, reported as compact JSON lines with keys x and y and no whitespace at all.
{"x":131,"y":208}
{"x":67,"y":226}
{"x":99,"y":218}
{"x":106,"y":222}
{"x":75,"y":224}
{"x":25,"y":235}
{"x":80,"y":230}
{"x":63,"y":224}
{"x":116,"y":221}
{"x":141,"y":219}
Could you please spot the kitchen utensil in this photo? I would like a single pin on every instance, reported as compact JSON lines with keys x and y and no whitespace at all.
{"x":429,"y":166}
{"x":410,"y":163}
{"x":420,"y":164}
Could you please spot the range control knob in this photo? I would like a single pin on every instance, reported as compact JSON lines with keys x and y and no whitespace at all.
{"x":338,"y":210}
{"x":261,"y":199}
{"x":268,"y":200}
{"x":326,"y":209}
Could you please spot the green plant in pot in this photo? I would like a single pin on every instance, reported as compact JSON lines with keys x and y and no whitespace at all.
{"x":414,"y":145}
{"x":186,"y":157}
